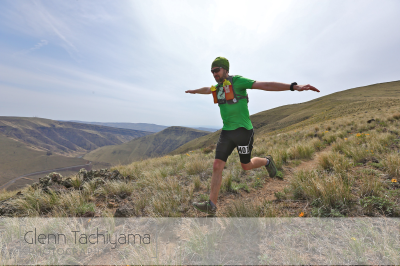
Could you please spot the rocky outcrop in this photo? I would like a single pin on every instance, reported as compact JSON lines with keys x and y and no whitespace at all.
{"x":103,"y":174}
{"x":7,"y":208}
{"x":53,"y":182}
{"x":56,"y":183}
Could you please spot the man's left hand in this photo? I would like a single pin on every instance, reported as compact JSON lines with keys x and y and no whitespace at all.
{"x":307,"y":87}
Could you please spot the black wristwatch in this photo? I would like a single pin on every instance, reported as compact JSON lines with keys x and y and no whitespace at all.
{"x":291,"y":86}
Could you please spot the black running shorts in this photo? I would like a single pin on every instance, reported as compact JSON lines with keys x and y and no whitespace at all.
{"x":241,"y":139}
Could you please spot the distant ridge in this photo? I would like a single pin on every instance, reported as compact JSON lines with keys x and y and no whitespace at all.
{"x":138,"y":126}
{"x":65,"y":138}
{"x":134,"y":126}
{"x":206,"y":129}
{"x":154,"y":145}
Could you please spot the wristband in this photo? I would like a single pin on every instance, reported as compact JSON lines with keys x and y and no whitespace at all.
{"x":291,"y":86}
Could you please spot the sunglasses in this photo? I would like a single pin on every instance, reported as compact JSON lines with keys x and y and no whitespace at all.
{"x":216,"y":70}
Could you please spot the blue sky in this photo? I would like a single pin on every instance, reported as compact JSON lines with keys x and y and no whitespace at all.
{"x":131,"y":61}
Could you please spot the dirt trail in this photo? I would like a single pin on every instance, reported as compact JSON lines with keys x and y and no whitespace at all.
{"x":312,"y":164}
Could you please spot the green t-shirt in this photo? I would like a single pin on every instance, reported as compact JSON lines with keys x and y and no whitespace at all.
{"x":236,"y":115}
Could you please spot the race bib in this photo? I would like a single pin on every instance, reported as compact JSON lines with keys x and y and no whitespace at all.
{"x":243,"y":149}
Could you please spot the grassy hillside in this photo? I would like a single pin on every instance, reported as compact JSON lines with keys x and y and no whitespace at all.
{"x":154,"y":145}
{"x":66,"y":138}
{"x":374,"y":99}
{"x":346,"y":167}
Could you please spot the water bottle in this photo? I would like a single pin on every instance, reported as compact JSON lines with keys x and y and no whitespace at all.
{"x":214,"y":93}
{"x":228,"y":90}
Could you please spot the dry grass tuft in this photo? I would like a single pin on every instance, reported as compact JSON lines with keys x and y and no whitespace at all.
{"x":197,"y":183}
{"x":301,"y":151}
{"x":334,"y":161}
{"x":37,"y":203}
{"x":322,"y":188}
{"x":370,"y":184}
{"x":112,"y":188}
{"x":317,"y":144}
{"x":209,"y":149}
{"x":197,"y":165}
{"x":396,"y":116}
{"x":6,"y":194}
{"x":391,"y":163}
{"x":226,"y":185}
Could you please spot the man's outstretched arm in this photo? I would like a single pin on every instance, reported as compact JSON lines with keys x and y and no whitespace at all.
{"x":204,"y":90}
{"x":277,"y":86}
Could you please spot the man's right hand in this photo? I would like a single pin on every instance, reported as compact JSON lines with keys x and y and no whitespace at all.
{"x":191,"y":91}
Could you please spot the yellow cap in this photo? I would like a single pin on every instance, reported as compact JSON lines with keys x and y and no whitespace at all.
{"x":213,"y":88}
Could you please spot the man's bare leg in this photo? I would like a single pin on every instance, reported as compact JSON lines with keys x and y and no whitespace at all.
{"x":216,"y":179}
{"x":255,"y":162}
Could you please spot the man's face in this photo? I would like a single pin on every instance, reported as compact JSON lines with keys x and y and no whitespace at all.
{"x":220,"y":75}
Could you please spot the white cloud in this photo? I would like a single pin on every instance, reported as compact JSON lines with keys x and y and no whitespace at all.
{"x":39,"y":45}
{"x":143,"y":55}
{"x":35,"y":47}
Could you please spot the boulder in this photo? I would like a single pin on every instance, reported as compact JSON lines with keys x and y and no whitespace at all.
{"x":67,"y":182}
{"x":57,"y":188}
{"x":127,"y":210}
{"x":7,"y":209}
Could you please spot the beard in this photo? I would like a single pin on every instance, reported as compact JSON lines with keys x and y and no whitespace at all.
{"x":221,"y":77}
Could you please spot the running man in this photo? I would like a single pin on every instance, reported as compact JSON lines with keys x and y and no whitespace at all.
{"x":237,"y":131}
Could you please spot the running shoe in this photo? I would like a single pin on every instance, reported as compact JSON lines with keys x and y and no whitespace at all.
{"x":271,"y":167}
{"x":206,"y":206}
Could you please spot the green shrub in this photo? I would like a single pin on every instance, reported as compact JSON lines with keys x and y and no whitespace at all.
{"x":280,"y":195}
{"x":237,"y":187}
{"x":376,"y":165}
{"x":371,"y":205}
{"x":279,"y":175}
{"x":259,"y":181}
{"x":325,"y":212}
